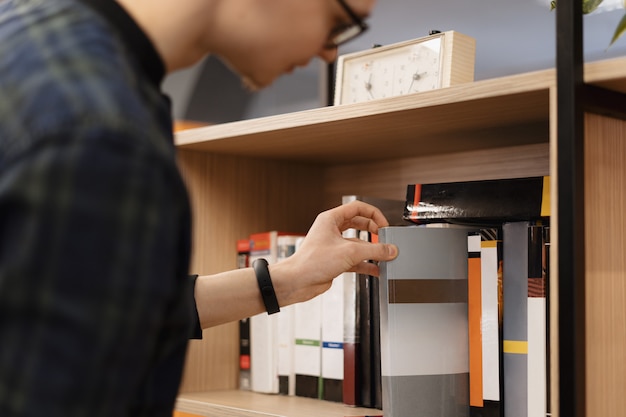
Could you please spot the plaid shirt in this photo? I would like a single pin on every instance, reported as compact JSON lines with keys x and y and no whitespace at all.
{"x":95,"y":302}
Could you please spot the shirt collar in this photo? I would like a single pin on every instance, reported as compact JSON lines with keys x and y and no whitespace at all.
{"x":134,"y":37}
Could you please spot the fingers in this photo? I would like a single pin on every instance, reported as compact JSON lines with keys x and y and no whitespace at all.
{"x":362,"y":216}
{"x":366,"y":251}
{"x":362,"y":223}
{"x":325,"y":240}
{"x":359,"y":215}
{"x":380,"y":252}
{"x":367,"y":268}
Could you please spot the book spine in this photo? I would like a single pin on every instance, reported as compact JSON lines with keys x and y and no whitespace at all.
{"x":351,"y":336}
{"x":332,"y":342}
{"x":351,"y":340}
{"x":285,"y":326}
{"x":243,"y":256}
{"x":365,"y":330}
{"x":263,"y":327}
{"x":546,"y":255}
{"x":307,"y":349}
{"x":491,"y":326}
{"x":475,"y":313}
{"x":515,"y":318}
{"x":537,"y":320}
{"x":424,"y":324}
{"x":377,"y":390}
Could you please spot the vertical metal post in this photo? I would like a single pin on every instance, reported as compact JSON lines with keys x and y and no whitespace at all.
{"x":571,"y":215}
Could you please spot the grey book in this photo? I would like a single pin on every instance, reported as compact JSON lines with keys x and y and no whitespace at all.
{"x":515,"y":318}
{"x":424,"y":324}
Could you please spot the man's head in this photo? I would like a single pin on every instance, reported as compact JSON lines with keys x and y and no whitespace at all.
{"x":259,"y":39}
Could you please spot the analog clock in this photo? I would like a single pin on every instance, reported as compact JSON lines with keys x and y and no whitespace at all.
{"x":435,"y":61}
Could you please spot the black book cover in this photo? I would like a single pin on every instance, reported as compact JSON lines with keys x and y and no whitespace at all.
{"x":377,"y":382}
{"x":365,"y":358}
{"x":478,"y":202}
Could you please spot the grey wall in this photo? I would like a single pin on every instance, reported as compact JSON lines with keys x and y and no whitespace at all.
{"x":512,"y":36}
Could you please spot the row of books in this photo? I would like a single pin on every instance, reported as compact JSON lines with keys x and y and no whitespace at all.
{"x":464,"y":326}
{"x":455,"y":326}
{"x":327,"y":347}
{"x":265,"y":352}
{"x":464,"y":329}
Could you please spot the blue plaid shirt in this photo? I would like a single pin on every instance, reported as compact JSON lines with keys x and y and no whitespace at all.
{"x":95,"y":303}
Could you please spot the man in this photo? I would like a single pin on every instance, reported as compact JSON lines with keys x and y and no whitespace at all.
{"x":95,"y":302}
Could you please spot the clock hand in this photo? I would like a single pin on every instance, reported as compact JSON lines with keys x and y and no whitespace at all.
{"x":415,"y":77}
{"x":368,"y":86}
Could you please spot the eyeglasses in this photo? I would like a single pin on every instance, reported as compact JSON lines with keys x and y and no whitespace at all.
{"x":347,"y":32}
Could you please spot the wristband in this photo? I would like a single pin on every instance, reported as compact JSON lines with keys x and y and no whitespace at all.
{"x":265,"y":285}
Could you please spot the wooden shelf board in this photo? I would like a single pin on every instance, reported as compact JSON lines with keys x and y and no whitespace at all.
{"x":506,"y":111}
{"x":249,"y":404}
{"x":501,"y":112}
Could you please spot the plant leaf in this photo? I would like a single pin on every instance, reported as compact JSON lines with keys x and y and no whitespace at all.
{"x":590,"y":5}
{"x":619,"y":31}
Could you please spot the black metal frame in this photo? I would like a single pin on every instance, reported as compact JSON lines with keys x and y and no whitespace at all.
{"x":571,"y":215}
{"x":574,"y":97}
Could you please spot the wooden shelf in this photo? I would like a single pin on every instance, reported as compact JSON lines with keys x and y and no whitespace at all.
{"x":507,"y":111}
{"x":248,"y":404}
{"x":279,"y":172}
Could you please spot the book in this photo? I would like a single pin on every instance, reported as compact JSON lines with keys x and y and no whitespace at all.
{"x":474,"y":315}
{"x":264,"y":329}
{"x":515,"y":318}
{"x":307,"y":349}
{"x":365,"y":358}
{"x":377,"y":383}
{"x":491,"y":326}
{"x":362,"y":378}
{"x":487,"y":202}
{"x":243,"y":256}
{"x":285,"y":326}
{"x":332,"y":375}
{"x":424,"y":322}
{"x":538,"y":367}
{"x":546,"y":255}
{"x":369,"y":359}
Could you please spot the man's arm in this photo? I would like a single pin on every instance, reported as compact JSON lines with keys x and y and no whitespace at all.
{"x":323,"y":255}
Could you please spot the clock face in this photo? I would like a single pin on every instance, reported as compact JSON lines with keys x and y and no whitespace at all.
{"x":388,"y":72}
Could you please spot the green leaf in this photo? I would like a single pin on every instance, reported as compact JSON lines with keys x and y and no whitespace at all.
{"x":619,"y":31}
{"x":590,"y":5}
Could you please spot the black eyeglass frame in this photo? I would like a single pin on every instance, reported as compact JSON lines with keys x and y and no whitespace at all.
{"x":350,"y":32}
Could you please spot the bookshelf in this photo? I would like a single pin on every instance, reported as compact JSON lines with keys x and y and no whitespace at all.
{"x":278,"y":172}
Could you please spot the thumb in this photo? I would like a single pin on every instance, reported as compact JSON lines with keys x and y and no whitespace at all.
{"x":384,"y":252}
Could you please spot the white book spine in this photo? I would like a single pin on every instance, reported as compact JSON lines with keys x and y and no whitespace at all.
{"x":490,"y":327}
